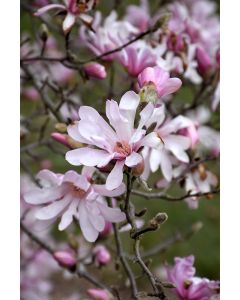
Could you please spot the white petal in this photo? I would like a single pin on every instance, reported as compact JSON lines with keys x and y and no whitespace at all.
{"x":52,"y":210}
{"x":67,"y":217}
{"x":68,"y":22}
{"x":89,"y":232}
{"x":133,"y":159}
{"x":115,"y":178}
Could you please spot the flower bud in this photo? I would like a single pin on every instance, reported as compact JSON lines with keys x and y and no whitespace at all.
{"x":95,"y":70}
{"x":44,"y":32}
{"x":60,"y":138}
{"x":98,"y":294}
{"x":204,"y":62}
{"x":159,"y":219}
{"x":102,"y":255}
{"x":65,"y":259}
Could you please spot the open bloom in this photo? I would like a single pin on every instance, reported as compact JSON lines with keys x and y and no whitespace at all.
{"x":174,"y":148}
{"x":74,"y":9}
{"x":136,"y":57}
{"x":107,"y":36}
{"x":72,"y":194}
{"x":160,"y":79}
{"x":120,"y":143}
{"x":189,"y":287}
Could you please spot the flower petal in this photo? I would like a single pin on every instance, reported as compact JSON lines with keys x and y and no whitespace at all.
{"x":44,"y":195}
{"x":46,"y":8}
{"x":67,"y":217}
{"x":115,"y":178}
{"x":87,"y":156}
{"x":88,"y":230}
{"x":103,"y":191}
{"x":133,"y":159}
{"x":112,"y":214}
{"x":52,"y":210}
{"x":68,"y":22}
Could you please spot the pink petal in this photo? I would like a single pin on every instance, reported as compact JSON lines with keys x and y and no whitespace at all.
{"x":115,"y":178}
{"x":46,"y":8}
{"x":171,"y":86}
{"x":177,"y":145}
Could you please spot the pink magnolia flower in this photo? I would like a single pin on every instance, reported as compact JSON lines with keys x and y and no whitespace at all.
{"x":160,"y":79}
{"x":189,"y":287}
{"x":107,"y":36}
{"x":136,"y":57}
{"x":139,"y":16}
{"x":95,"y":70}
{"x":120,"y":143}
{"x":102,"y":255}
{"x":71,"y":194}
{"x":174,"y":145}
{"x":74,"y":9}
{"x":98,"y":294}
{"x":208,"y":138}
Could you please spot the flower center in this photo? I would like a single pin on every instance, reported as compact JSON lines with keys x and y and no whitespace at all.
{"x":77,"y":6}
{"x":76,"y":191}
{"x":123,"y":148}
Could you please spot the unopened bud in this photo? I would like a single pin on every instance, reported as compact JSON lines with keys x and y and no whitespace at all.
{"x":44,"y":33}
{"x":95,"y":70}
{"x":60,"y":138}
{"x":159,"y":219}
{"x":65,"y":259}
{"x":98,"y":294}
{"x":204,"y":61}
{"x":141,"y":213}
{"x":61,"y":127}
{"x":102,"y":255}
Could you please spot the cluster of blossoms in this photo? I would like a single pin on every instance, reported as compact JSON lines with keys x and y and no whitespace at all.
{"x":145,"y":132}
{"x":187,"y":285}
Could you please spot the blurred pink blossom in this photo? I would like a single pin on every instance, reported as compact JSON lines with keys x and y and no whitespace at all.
{"x":71,"y":194}
{"x":189,"y":287}
{"x":95,"y":70}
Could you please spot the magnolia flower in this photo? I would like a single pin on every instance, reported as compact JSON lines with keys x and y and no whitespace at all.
{"x":107,"y":36}
{"x":197,"y":180}
{"x":174,"y":146}
{"x":120,"y":143}
{"x":189,"y":287}
{"x":139,"y":16}
{"x":74,"y":9}
{"x":136,"y":57}
{"x":71,"y":194}
{"x":160,"y":79}
{"x":208,"y":138}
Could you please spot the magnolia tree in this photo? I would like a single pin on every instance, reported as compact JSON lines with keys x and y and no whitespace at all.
{"x":119,"y":102}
